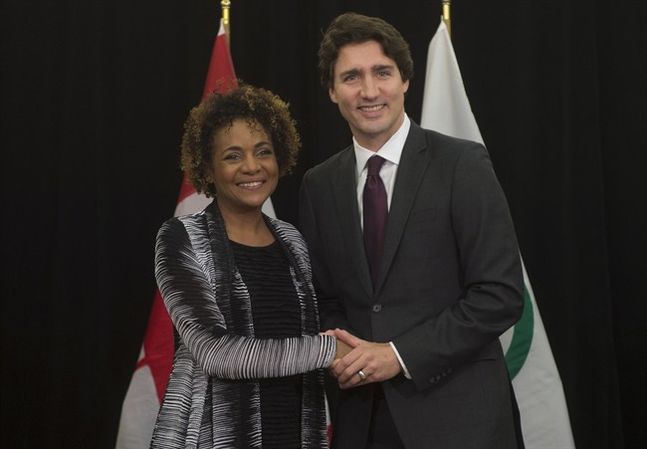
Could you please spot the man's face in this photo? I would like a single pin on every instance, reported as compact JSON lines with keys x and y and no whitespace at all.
{"x":368,"y":88}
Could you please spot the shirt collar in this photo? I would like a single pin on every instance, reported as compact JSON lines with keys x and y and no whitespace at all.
{"x":391,"y":150}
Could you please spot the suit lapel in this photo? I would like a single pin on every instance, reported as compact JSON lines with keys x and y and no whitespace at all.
{"x":345,"y":193}
{"x":413,"y":163}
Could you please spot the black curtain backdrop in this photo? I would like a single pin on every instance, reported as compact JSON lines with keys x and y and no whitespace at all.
{"x":94,"y":94}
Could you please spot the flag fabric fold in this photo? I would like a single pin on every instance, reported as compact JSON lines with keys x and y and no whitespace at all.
{"x":538,"y":388}
{"x":149,"y":381}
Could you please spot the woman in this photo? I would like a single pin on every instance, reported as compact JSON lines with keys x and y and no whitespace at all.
{"x":237,"y":285}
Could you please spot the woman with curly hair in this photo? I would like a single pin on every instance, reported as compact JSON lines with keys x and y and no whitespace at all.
{"x":248,"y":368}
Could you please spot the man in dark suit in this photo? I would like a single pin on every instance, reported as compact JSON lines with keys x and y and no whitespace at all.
{"x":414,"y":256}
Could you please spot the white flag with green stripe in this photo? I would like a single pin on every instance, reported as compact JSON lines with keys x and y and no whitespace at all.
{"x":538,"y":388}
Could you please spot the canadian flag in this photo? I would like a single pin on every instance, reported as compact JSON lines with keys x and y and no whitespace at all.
{"x":149,"y":381}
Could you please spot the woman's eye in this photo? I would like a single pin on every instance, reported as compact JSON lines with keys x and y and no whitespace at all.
{"x":265,"y":152}
{"x":231,"y":156}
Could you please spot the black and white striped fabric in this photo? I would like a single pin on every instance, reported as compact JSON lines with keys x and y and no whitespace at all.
{"x":212,"y":399}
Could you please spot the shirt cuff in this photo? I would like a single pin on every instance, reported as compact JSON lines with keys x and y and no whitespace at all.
{"x":404,"y":368}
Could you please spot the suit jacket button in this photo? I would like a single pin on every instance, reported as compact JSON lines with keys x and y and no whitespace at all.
{"x":377,"y":308}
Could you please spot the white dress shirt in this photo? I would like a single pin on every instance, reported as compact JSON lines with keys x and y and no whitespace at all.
{"x":391,"y":151}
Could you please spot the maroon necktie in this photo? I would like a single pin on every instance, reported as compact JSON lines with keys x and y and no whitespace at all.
{"x":375,"y":212}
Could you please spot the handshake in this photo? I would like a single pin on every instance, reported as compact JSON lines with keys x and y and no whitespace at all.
{"x":359,"y":362}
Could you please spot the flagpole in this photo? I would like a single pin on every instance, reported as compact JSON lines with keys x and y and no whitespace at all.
{"x":225,"y":4}
{"x":447,"y":17}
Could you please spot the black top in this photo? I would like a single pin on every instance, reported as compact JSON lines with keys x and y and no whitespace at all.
{"x":276,"y":314}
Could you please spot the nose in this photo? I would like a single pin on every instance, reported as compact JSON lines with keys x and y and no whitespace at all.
{"x":250,"y":164}
{"x":369,"y":87}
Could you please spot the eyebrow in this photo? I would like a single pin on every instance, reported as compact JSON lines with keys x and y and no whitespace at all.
{"x":349,"y":72}
{"x":375,"y":68}
{"x":258,"y":145}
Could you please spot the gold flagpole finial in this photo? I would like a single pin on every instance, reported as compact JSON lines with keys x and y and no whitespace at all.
{"x":447,"y":16}
{"x":225,"y":4}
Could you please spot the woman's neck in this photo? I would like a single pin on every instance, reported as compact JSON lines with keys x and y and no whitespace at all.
{"x":247,"y":228}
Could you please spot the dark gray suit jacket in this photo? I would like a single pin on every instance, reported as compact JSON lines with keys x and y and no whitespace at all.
{"x":451,"y":284}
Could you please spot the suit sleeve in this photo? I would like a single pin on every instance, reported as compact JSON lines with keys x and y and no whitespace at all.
{"x":189,"y":297}
{"x":490,"y":269}
{"x":331,"y":311}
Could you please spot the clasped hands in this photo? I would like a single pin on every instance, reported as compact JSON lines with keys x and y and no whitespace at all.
{"x":376,"y":361}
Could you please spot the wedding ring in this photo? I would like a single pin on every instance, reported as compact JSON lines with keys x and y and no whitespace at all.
{"x":361,"y":375}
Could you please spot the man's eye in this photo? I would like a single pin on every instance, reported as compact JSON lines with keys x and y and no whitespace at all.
{"x":384,"y":73}
{"x":349,"y":78}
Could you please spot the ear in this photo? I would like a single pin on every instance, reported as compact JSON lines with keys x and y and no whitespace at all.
{"x":332,"y":94}
{"x":208,"y":175}
{"x":405,"y":86}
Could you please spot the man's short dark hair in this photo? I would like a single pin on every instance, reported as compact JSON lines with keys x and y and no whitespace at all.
{"x":353,"y":28}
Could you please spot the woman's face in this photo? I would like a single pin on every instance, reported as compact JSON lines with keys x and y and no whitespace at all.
{"x":244,"y":168}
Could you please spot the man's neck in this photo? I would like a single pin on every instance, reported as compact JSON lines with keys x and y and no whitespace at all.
{"x":377,"y":143}
{"x":374,"y":144}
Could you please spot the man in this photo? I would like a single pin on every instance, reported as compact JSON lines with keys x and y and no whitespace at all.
{"x":424,"y":290}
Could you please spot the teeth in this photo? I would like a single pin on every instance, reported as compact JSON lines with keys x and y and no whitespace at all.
{"x":372,"y":108}
{"x":250,"y":184}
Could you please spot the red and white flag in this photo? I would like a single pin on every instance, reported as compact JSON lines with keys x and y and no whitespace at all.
{"x":149,"y":381}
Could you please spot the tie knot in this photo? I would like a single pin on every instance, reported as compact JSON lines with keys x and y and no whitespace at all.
{"x":374,"y":164}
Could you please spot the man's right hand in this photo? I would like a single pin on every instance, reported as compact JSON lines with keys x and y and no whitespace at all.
{"x":376,"y":361}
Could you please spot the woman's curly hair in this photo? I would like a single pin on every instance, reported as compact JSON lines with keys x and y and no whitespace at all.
{"x":218,"y":111}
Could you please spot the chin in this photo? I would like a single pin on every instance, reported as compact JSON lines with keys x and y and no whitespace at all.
{"x":256,"y":204}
